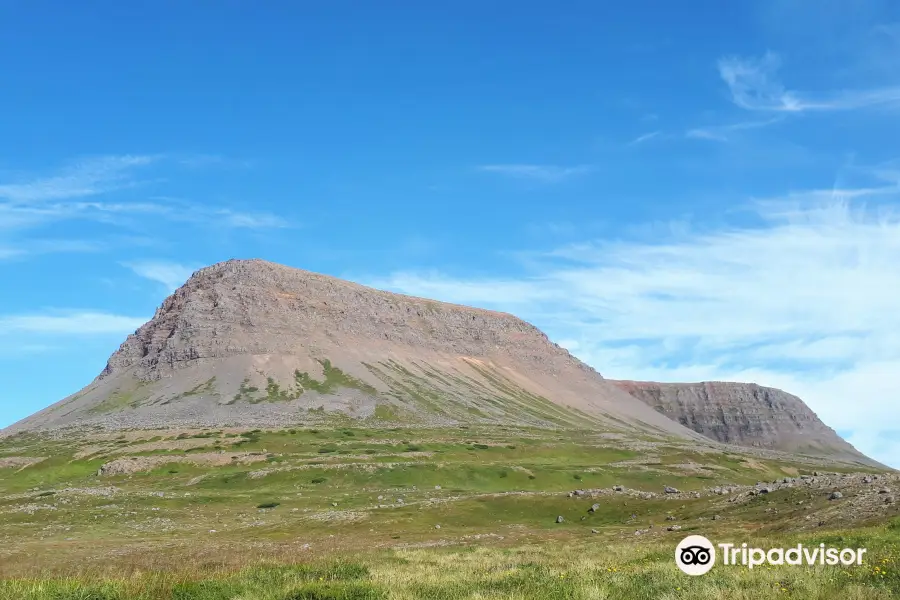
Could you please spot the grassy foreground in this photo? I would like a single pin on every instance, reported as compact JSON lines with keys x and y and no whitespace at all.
{"x":581,"y":570}
{"x":358,"y":513}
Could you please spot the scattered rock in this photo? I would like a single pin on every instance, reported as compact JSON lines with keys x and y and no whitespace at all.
{"x":437,"y":526}
{"x":670,"y":490}
{"x":594,"y":508}
{"x":716,"y":517}
{"x":560,"y":519}
{"x":618,"y":488}
{"x":884,"y":491}
{"x":835,"y":496}
{"x":594,"y":531}
{"x":673,"y":528}
{"x":671,"y":518}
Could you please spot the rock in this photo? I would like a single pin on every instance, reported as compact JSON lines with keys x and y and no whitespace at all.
{"x":670,"y":490}
{"x":889,"y":500}
{"x":671,"y":518}
{"x":594,"y":508}
{"x":673,"y":528}
{"x":618,"y":488}
{"x":437,"y":526}
{"x":579,"y":492}
{"x":381,"y":497}
{"x":868,"y":480}
{"x":835,"y":496}
{"x":716,"y":517}
{"x":884,"y":491}
{"x":745,"y":414}
{"x":560,"y":519}
{"x":594,"y":531}
{"x":334,"y":503}
{"x":437,"y":487}
{"x":765,"y":490}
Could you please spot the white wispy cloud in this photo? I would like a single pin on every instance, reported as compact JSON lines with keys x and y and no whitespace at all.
{"x":245,"y":220}
{"x":754,"y":85}
{"x":644,"y":138}
{"x":73,"y":193}
{"x":171,"y":274}
{"x":720,"y":133}
{"x":542,"y":173}
{"x":70,"y":323}
{"x":805,"y":302}
{"x":23,"y":248}
{"x":86,"y":177}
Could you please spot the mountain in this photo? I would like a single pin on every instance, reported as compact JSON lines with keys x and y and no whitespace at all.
{"x":252,"y":342}
{"x":249,"y":342}
{"x":745,"y":414}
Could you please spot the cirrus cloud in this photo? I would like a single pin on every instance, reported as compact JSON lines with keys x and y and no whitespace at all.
{"x":804,"y":299}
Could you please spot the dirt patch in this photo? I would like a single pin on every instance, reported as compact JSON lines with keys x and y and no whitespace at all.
{"x":142,"y":464}
{"x":20,"y":462}
{"x":337,"y":516}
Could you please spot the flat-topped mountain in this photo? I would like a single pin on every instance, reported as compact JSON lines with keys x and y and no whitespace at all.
{"x":740,"y":413}
{"x":249,"y":342}
{"x":252,"y":342}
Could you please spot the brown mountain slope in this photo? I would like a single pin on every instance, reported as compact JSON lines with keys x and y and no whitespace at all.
{"x":252,"y":342}
{"x":745,"y":414}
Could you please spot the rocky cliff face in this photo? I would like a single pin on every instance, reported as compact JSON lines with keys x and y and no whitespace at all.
{"x":248,"y":341}
{"x":740,"y":413}
{"x":257,"y":308}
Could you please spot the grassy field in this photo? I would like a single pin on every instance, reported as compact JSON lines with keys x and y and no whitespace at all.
{"x":400,"y":513}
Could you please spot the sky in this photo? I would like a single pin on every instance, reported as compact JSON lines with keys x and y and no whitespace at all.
{"x":672,"y":191}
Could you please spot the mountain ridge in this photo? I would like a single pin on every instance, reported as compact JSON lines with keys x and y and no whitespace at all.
{"x":250,"y":341}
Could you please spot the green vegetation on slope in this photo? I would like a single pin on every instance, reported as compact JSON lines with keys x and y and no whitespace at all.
{"x":397,"y":513}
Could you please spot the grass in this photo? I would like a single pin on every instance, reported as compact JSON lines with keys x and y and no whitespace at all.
{"x":335,"y":378}
{"x":358,"y":510}
{"x":579,"y":571}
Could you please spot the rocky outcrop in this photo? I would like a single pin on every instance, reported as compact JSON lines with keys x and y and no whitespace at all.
{"x":254,"y":307}
{"x":745,"y":414}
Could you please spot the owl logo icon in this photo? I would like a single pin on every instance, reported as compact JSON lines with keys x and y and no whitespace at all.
{"x":695,"y":555}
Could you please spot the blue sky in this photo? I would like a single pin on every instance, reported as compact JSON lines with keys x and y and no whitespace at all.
{"x":672,"y":192}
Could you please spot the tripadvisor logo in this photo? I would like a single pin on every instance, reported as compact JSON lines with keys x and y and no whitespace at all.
{"x":696,"y":555}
